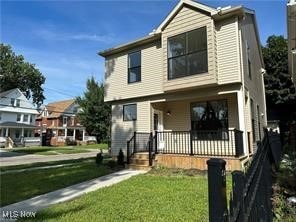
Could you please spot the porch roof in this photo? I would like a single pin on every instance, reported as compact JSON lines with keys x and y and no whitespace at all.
{"x":17,"y":125}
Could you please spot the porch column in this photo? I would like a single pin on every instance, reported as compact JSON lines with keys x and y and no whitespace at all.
{"x":6,"y":132}
{"x":22,"y":132}
{"x":83,"y":134}
{"x":74,"y":134}
{"x":65,"y":133}
{"x":241,"y":119}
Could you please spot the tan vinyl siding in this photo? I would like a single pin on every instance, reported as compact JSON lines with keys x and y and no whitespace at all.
{"x":116,"y":74}
{"x":188,"y":19}
{"x":121,"y":131}
{"x":228,"y":51}
{"x":255,"y":85}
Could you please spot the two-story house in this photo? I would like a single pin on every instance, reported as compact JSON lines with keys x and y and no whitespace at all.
{"x":58,"y":121}
{"x":194,"y":86}
{"x":17,"y":117}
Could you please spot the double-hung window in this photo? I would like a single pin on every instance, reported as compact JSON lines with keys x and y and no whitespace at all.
{"x":134,"y":67}
{"x":187,"y":53}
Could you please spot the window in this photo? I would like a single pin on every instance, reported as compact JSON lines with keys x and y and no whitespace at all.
{"x":72,"y":121}
{"x":18,"y":102}
{"x":12,"y":101}
{"x":134,"y":67}
{"x":130,"y":112}
{"x":249,"y":61}
{"x":210,"y":116}
{"x":0,"y":117}
{"x":18,"y":117}
{"x":65,"y":119}
{"x":26,"y":117}
{"x":187,"y":54}
{"x":17,"y":133}
{"x":31,"y":118}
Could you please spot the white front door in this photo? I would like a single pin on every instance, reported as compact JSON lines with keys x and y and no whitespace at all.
{"x":158,"y":126}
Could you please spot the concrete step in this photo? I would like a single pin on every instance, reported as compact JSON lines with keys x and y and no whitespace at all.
{"x":139,"y":161}
{"x":138,"y":167}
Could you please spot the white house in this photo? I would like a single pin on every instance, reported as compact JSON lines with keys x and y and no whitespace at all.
{"x":17,"y":116}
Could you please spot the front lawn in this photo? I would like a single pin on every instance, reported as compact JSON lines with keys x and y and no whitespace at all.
{"x":20,"y":186}
{"x":160,"y":195}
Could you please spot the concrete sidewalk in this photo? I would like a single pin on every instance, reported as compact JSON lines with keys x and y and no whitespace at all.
{"x":43,"y":201}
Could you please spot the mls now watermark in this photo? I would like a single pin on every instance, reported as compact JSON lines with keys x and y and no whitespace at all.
{"x":9,"y":214}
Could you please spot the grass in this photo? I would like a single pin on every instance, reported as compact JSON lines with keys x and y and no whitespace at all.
{"x":49,"y":150}
{"x":20,"y":186}
{"x":160,"y":195}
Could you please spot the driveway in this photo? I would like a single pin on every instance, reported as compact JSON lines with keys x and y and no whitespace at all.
{"x":11,"y":158}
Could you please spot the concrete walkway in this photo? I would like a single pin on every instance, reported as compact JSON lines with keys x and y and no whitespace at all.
{"x":27,"y":159}
{"x":43,"y":201}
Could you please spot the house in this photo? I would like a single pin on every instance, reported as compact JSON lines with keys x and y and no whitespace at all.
{"x":291,"y":22}
{"x":58,"y":121}
{"x":17,"y":119}
{"x":190,"y":90}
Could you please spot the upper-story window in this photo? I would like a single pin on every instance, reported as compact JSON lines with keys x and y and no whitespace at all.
{"x":249,"y":61}
{"x":65,"y":119}
{"x":134,"y":67}
{"x":17,"y":102}
{"x":187,"y":53}
{"x":12,"y":101}
{"x":18,"y":117}
{"x":26,"y":117}
{"x":0,"y":116}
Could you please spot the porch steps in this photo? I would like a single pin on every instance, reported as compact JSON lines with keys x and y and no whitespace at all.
{"x":139,"y":161}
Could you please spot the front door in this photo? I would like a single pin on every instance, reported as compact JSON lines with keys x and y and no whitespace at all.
{"x":158,"y":126}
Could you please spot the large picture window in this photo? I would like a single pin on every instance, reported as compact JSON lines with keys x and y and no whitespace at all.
{"x":210,"y":116}
{"x":187,"y":53}
{"x":130,"y":112}
{"x":134,"y":67}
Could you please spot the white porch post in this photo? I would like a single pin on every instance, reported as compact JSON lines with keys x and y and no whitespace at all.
{"x":83,"y":134}
{"x":74,"y":134}
{"x":6,"y":132}
{"x":65,"y":133}
{"x":241,"y":119}
{"x":22,"y":132}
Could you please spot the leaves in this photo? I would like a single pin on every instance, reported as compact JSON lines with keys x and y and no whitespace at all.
{"x":15,"y":72}
{"x":96,"y":114}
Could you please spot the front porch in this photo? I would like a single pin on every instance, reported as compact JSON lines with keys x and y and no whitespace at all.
{"x":186,"y":149}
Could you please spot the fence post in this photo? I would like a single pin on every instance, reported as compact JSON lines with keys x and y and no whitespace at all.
{"x":135,"y":142}
{"x":191,"y":143}
{"x":217,"y":190}
{"x":155,"y":142}
{"x":238,"y":184}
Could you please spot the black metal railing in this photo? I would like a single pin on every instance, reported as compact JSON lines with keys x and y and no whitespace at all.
{"x":250,"y":199}
{"x":138,"y":143}
{"x":208,"y":143}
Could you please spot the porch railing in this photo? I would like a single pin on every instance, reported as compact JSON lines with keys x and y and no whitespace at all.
{"x":208,"y":143}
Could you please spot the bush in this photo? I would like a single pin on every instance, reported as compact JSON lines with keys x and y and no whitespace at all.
{"x":99,"y":158}
{"x":70,"y":142}
{"x":120,"y":158}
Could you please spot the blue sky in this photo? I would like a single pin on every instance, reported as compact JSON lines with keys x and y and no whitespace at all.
{"x":62,"y":38}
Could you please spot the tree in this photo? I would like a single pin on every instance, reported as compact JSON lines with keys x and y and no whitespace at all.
{"x":95,"y":114}
{"x":15,"y":72}
{"x":279,"y":87}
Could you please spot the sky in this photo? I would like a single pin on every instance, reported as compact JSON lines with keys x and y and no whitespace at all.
{"x":62,"y":38}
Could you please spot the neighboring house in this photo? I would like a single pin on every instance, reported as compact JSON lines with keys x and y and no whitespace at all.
{"x":58,"y":121}
{"x":291,"y":22}
{"x":195,"y":83}
{"x":17,"y":118}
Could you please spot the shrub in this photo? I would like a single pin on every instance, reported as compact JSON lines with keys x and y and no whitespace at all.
{"x":111,"y":164}
{"x":99,"y":158}
{"x":70,"y":142}
{"x":120,"y":158}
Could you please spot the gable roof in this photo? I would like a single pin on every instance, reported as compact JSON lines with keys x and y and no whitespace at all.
{"x":5,"y":93}
{"x":56,"y":109}
{"x":211,"y":11}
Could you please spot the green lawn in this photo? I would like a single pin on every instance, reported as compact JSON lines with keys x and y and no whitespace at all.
{"x":160,"y":195}
{"x":50,"y":150}
{"x":20,"y":186}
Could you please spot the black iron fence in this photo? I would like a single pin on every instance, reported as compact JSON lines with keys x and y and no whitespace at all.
{"x":208,"y":143}
{"x":251,"y":190}
{"x":138,"y":143}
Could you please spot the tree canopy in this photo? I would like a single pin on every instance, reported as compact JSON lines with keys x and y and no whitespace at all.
{"x":279,"y":87}
{"x":95,"y":114}
{"x":15,"y":72}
